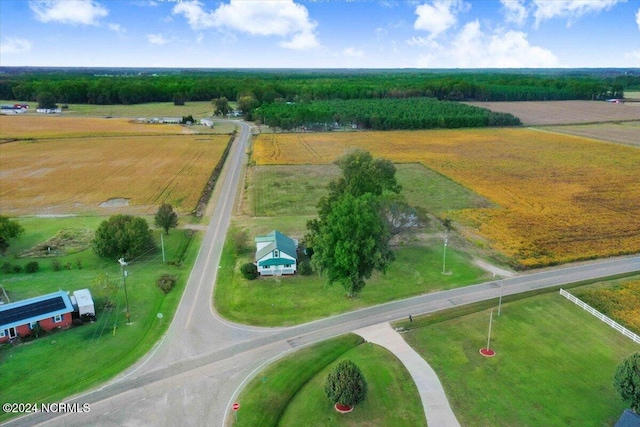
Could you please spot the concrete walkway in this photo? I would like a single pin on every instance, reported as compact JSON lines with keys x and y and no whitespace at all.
{"x":434,"y":401}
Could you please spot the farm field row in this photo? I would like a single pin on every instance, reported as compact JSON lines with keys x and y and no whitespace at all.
{"x":43,"y":127}
{"x":560,"y":198}
{"x":623,"y":132}
{"x":61,"y":176}
{"x":619,"y":301}
{"x":534,"y":113}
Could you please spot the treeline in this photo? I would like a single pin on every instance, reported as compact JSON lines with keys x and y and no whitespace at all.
{"x":377,"y":114}
{"x":116,"y":87}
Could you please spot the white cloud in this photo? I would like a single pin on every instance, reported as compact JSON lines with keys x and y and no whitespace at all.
{"x":471,"y":48}
{"x":13,"y":45}
{"x":352,"y":52}
{"x":194,"y":13}
{"x":157,"y":39}
{"x":570,"y":9}
{"x":515,"y":11}
{"x":117,"y":28}
{"x":633,"y":57}
{"x":84,"y":12}
{"x":438,"y":17}
{"x":638,"y":18}
{"x":264,"y":18}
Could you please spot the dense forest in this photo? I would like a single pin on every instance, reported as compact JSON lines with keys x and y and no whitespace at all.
{"x":104,"y":86}
{"x":413,"y":99}
{"x":378,"y":114}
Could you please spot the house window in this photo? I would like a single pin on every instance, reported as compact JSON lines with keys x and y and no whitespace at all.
{"x":3,"y":333}
{"x":57,"y":318}
{"x":275,"y":253}
{"x":266,"y":267}
{"x":287,"y":266}
{"x":33,"y":325}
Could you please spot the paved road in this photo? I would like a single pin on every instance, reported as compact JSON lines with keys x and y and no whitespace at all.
{"x":193,"y":374}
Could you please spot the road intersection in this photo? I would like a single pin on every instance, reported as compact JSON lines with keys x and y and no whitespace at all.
{"x":192,"y":376}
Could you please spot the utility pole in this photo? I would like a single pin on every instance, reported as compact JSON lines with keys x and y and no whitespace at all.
{"x":124,"y":283}
{"x":444,"y":251}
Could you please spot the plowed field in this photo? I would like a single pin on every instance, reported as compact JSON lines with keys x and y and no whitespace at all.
{"x":77,"y":175}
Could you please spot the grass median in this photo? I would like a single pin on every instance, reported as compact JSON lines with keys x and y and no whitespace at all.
{"x":291,"y":391}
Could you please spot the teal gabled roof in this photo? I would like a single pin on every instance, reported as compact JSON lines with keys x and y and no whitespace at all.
{"x":277,"y":241}
{"x":276,"y":261}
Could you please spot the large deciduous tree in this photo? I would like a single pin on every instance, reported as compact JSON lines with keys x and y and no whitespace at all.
{"x":626,"y":381}
{"x":46,"y":100}
{"x":350,"y":241}
{"x":166,"y":218}
{"x":9,"y":229}
{"x":351,"y":237}
{"x":345,"y":384}
{"x":221,"y":106}
{"x":123,"y":236}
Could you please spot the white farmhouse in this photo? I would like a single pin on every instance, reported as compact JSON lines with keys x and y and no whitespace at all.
{"x":276,"y":254}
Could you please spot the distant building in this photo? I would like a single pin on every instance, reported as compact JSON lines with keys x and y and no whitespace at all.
{"x":171,"y":120}
{"x":206,"y":122}
{"x":49,"y":110}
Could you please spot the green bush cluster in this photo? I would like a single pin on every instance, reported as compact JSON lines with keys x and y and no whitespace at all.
{"x":166,"y":283}
{"x":249,"y":271}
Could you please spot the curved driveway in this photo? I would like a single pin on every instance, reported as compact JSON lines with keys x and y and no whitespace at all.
{"x":191,"y":376}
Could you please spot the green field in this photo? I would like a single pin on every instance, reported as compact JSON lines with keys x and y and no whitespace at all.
{"x":296,"y":189}
{"x":554,"y":365}
{"x":93,"y":352}
{"x":290,"y":392}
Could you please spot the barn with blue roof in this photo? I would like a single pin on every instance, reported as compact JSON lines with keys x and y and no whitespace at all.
{"x":51,"y":311}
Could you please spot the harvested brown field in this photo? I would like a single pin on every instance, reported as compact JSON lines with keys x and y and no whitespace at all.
{"x":77,"y":175}
{"x":536,"y":113}
{"x":560,"y":198}
{"x":19,"y":127}
{"x":622,"y":132}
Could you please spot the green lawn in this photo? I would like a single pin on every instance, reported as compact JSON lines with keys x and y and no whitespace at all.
{"x":553,"y":367}
{"x":288,"y":300}
{"x":290,"y":392}
{"x":86,"y":355}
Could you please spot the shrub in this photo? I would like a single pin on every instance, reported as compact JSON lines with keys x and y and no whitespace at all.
{"x":346,"y":384}
{"x":626,"y":381}
{"x":166,"y":282}
{"x":31,"y":267}
{"x":304,"y":268}
{"x":17,"y":268}
{"x":55,"y":265}
{"x":249,"y":271}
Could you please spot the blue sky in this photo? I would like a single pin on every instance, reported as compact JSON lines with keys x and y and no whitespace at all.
{"x":320,"y":34}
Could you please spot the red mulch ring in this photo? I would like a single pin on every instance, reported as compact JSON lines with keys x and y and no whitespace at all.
{"x":487,"y":352}
{"x":343,"y":409}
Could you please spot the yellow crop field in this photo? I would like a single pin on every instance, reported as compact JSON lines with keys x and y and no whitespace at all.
{"x":27,"y":126}
{"x":53,"y":176}
{"x":560,"y":198}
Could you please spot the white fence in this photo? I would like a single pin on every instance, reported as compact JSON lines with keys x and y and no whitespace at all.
{"x":601,"y":316}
